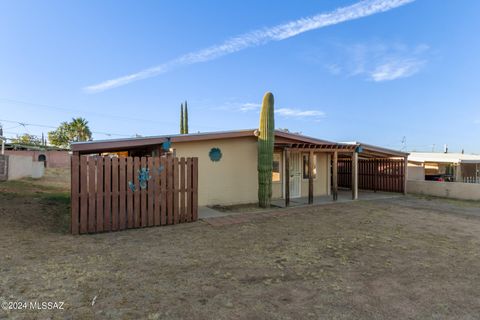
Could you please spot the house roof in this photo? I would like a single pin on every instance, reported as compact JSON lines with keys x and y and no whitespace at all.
{"x":127,"y":143}
{"x":423,"y":157}
{"x":376,"y":151}
{"x":32,"y":147}
{"x":282,"y":139}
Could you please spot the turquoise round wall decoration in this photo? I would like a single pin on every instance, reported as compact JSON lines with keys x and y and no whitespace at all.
{"x":167,"y":144}
{"x":215,"y":154}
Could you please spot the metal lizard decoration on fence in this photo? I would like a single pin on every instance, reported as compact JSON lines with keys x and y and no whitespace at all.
{"x":143,"y":177}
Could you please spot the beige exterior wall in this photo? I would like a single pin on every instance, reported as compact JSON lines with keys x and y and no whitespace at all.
{"x":277,"y":186}
{"x":415,"y":172}
{"x":321,"y":184}
{"x":456,"y":190}
{"x":277,"y":190}
{"x":233,"y":179}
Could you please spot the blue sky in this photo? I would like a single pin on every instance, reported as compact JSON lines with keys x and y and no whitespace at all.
{"x":411,"y":71}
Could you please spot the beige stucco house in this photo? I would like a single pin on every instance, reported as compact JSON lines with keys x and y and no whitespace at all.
{"x":233,"y":178}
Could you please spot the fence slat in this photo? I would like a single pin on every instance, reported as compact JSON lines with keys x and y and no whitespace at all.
{"x":107,"y":214}
{"x":151,"y":186}
{"x":182,"y":190}
{"x":143,"y":196}
{"x":169,"y":190}
{"x":130,"y":222}
{"x":91,"y":194}
{"x":83,"y":195}
{"x":163,"y":191}
{"x":122,"y":220}
{"x":156,"y":191}
{"x":136,"y":194}
{"x":99,"y":224}
{"x":189,"y":190}
{"x":176,"y":215}
{"x":114,"y":194}
{"x":195,"y":189}
{"x":75,"y":194}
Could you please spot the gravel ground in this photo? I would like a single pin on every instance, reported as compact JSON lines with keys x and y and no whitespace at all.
{"x":414,"y":258}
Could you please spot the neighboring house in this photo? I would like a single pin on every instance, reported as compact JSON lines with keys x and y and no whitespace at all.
{"x":456,"y":167}
{"x":52,"y":157}
{"x":13,"y":167}
{"x":227,"y":163}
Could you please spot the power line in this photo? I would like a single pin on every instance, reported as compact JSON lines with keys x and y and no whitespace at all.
{"x":98,"y":114}
{"x":24,"y":124}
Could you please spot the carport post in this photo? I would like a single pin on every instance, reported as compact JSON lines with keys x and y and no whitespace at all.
{"x":355,"y":175}
{"x":287,"y":177}
{"x":335,"y":176}
{"x":310,"y":177}
{"x":405,"y":174}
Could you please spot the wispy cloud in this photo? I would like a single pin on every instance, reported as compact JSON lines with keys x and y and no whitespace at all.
{"x":297,"y":113}
{"x":256,"y":38}
{"x":249,"y":106}
{"x":379,"y":61}
{"x":396,"y":69}
{"x":282,"y":112}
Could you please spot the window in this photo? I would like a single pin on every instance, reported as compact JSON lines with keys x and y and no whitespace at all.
{"x":305,"y":166}
{"x":276,"y":167}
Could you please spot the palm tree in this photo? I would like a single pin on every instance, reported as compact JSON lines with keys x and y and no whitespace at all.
{"x":79,"y":130}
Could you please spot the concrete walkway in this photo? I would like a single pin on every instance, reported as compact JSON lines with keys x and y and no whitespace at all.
{"x":206,"y":212}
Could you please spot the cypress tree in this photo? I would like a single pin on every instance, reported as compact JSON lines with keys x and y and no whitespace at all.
{"x":185,"y":119}
{"x":182,"y":128}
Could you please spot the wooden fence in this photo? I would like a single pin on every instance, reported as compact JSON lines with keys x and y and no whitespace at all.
{"x":110,"y":194}
{"x":374,"y":174}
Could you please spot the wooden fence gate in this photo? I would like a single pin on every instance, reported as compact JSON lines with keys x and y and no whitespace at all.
{"x":110,"y":194}
{"x":374,"y":174}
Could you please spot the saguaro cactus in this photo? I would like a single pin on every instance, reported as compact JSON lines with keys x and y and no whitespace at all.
{"x":182,"y":127}
{"x":266,"y":140}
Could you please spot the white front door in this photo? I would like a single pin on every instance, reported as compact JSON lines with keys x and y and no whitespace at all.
{"x":295,"y":174}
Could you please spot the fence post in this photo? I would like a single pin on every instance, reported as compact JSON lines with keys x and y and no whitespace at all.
{"x":195,"y":189}
{"x":74,"y":192}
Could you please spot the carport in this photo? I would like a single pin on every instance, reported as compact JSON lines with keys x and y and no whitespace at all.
{"x":354,"y":166}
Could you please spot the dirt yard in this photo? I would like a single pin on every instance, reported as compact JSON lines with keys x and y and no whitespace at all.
{"x":404,"y":258}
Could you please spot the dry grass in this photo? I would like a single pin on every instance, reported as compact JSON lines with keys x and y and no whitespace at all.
{"x":392,"y":259}
{"x":55,"y":180}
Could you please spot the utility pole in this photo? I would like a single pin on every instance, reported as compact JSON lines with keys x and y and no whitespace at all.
{"x":404,"y":143}
{"x":2,"y":138}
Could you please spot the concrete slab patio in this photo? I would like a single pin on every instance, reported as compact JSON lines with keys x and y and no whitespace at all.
{"x":343,"y":196}
{"x":217,"y":217}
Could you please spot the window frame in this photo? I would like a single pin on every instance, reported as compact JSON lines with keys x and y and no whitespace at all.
{"x":279,"y":167}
